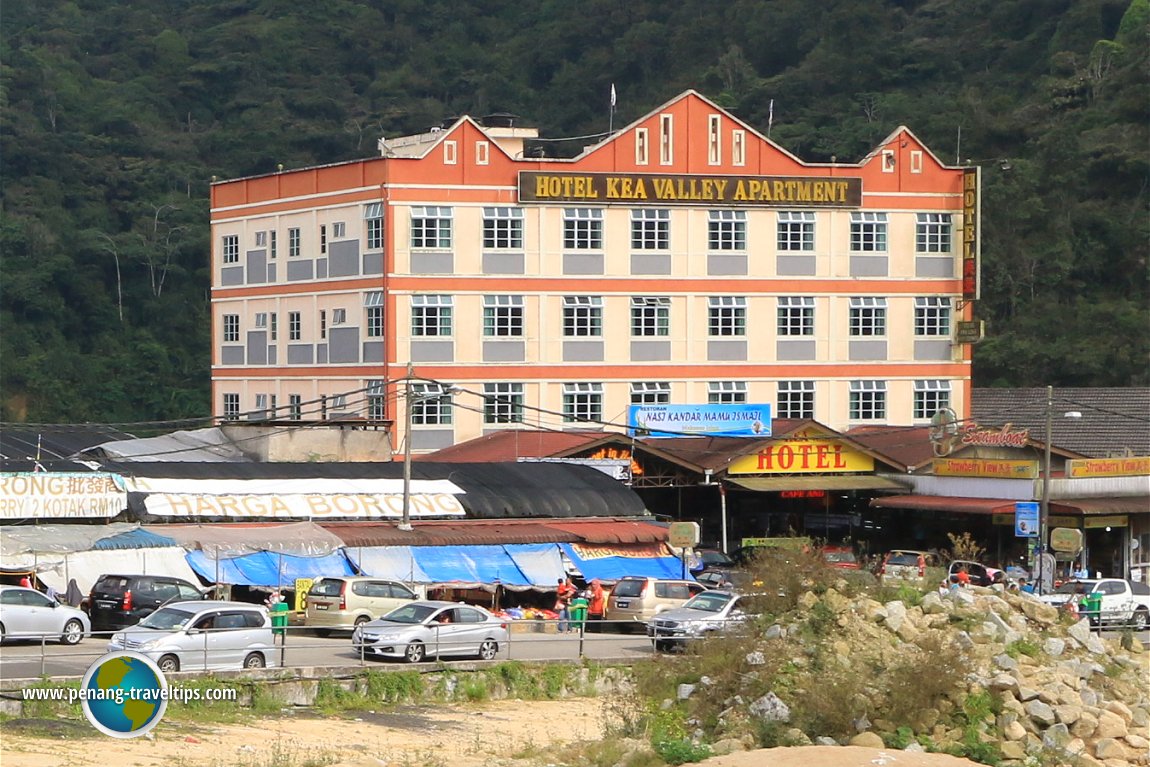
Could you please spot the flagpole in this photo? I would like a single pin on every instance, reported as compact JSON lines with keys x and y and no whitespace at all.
{"x":770,"y":117}
{"x":611,"y":117}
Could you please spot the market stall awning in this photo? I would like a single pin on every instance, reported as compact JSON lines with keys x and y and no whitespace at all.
{"x":945,"y":503}
{"x":1090,"y":506}
{"x":85,"y":567}
{"x":614,"y":531}
{"x":469,"y":565}
{"x":838,"y":482}
{"x":268,"y":569}
{"x":610,"y":563}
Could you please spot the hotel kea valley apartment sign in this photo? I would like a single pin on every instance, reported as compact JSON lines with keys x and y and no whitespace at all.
{"x":667,"y":189}
{"x":699,"y":420}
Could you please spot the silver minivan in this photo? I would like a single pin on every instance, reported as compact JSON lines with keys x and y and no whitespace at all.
{"x":202,"y":636}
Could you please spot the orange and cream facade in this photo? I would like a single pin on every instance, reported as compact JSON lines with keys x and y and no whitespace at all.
{"x":686,"y":259}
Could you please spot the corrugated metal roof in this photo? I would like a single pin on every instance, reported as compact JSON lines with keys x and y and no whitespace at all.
{"x":614,"y":531}
{"x":1113,"y":420}
{"x":906,"y":447}
{"x":1093,"y":506}
{"x":479,"y":532}
{"x":53,"y":445}
{"x":511,"y":445}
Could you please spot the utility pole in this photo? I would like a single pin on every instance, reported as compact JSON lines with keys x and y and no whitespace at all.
{"x":1044,"y":511}
{"x":405,"y":523}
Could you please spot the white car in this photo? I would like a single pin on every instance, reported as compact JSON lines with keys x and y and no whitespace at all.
{"x":702,"y":614}
{"x":424,"y":629}
{"x":27,"y":614}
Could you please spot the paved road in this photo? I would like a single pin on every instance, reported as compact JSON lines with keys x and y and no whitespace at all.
{"x":23,"y":660}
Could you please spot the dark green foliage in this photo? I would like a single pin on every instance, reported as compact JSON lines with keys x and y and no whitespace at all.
{"x":114,"y":117}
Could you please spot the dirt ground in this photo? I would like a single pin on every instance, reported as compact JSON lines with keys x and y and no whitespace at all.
{"x":497,"y":733}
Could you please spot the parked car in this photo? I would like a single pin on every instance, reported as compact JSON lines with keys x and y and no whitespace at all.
{"x":202,"y":636}
{"x":427,"y":628}
{"x":980,"y":575}
{"x":344,"y":603}
{"x":702,"y":614}
{"x":904,"y":565}
{"x":638,"y":600}
{"x":117,"y":601}
{"x":840,"y":557}
{"x":1111,"y":601}
{"x":27,"y":614}
{"x":710,"y":559}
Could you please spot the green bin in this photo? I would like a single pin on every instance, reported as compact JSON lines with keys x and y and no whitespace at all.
{"x":578,"y":611}
{"x":279,"y":618}
{"x":1091,"y":607}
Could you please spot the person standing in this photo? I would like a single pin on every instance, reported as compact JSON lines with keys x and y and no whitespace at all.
{"x":564,"y":592}
{"x":596,"y":606}
{"x":963,"y":577}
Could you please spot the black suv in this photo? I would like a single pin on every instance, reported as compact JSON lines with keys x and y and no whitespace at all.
{"x":117,"y":601}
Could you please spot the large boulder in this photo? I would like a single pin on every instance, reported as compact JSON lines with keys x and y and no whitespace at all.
{"x":1039,"y":612}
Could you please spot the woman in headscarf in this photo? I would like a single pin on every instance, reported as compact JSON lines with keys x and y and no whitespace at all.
{"x":596,"y":606}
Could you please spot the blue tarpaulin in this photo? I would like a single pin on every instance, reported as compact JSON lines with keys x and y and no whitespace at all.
{"x":610,"y":563}
{"x":134,"y":539}
{"x":469,"y":565}
{"x":267,"y":568}
{"x":395,"y":563}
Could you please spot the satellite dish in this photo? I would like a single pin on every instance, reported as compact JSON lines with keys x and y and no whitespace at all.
{"x":944,"y":432}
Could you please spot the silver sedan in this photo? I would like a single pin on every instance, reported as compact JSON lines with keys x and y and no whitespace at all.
{"x":424,"y":629}
{"x":27,"y":614}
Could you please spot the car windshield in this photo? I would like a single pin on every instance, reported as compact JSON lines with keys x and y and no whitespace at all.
{"x":326,"y":587}
{"x":903,"y":558}
{"x":628,"y":588}
{"x":166,"y":619}
{"x":710,"y":603}
{"x":716,"y":559}
{"x":839,"y":556}
{"x":410,"y":614}
{"x":1075,"y":587}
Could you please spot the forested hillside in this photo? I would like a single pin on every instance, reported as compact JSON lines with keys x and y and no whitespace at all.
{"x":117,"y":114}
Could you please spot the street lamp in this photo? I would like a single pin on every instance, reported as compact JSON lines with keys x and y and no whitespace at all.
{"x":409,"y":400}
{"x":1044,"y":511}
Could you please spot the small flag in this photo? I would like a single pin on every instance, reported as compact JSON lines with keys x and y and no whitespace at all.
{"x":771,"y":113}
{"x":612,"y":95}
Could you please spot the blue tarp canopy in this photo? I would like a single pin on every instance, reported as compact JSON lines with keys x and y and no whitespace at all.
{"x":610,"y":563}
{"x":466,"y":565}
{"x":267,"y":568}
{"x":515,"y":566}
{"x":134,"y":539}
{"x":395,"y":563}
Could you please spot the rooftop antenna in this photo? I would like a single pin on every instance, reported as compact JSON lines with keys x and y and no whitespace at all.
{"x":611,"y":118}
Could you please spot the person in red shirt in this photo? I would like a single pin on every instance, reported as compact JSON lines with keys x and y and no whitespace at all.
{"x":596,"y":606}
{"x":564,"y":593}
{"x":962,"y":577}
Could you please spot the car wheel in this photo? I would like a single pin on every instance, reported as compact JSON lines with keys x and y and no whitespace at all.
{"x":169,"y":664}
{"x":414,"y":652}
{"x":361,"y":620}
{"x":73,"y":632}
{"x":254,"y":660}
{"x":1141,"y":620}
{"x":488,"y":650}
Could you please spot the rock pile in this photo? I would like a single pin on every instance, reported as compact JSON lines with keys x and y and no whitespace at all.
{"x":1063,"y":694}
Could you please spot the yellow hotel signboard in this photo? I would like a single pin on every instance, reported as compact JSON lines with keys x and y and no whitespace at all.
{"x":1134,"y":466}
{"x":985,"y":467}
{"x":802,"y":456}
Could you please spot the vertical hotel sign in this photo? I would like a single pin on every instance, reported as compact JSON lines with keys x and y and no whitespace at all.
{"x":971,"y":232}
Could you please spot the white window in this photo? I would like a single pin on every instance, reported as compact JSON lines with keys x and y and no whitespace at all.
{"x":726,"y":316}
{"x":482,"y":152}
{"x":868,"y":316}
{"x":641,"y":146}
{"x":430,"y":227}
{"x":932,"y":233}
{"x":295,"y":407}
{"x":503,"y":228}
{"x":650,"y":393}
{"x":738,"y":147}
{"x":714,"y":140}
{"x":450,"y":152}
{"x":230,"y":247}
{"x":431,"y":316}
{"x":796,"y":315}
{"x":650,"y":229}
{"x":323,"y":323}
{"x":373,"y":223}
{"x":231,"y":406}
{"x":932,"y":316}
{"x":293,"y":242}
{"x":650,"y":316}
{"x":930,"y":397}
{"x":503,"y":403}
{"x":262,"y":404}
{"x":323,"y":238}
{"x":888,"y":161}
{"x":796,"y":399}
{"x":295,"y":326}
{"x":261,"y":319}
{"x":582,"y":402}
{"x":868,"y":232}
{"x":582,"y":229}
{"x":261,"y":239}
{"x":502,"y":316}
{"x":582,"y":316}
{"x":726,"y":392}
{"x":796,"y":230}
{"x":231,"y":328}
{"x":916,"y":161}
{"x":373,"y":298}
{"x":338,"y":316}
{"x":666,"y":140}
{"x":727,"y":230}
{"x":338,"y":230}
{"x":430,"y":405}
{"x":868,"y":400}
{"x":273,"y":326}
{"x":376,"y":391}
{"x":272,"y":243}
{"x":373,"y":313}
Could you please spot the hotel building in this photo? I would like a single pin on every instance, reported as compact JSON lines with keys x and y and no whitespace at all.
{"x":685,"y":259}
